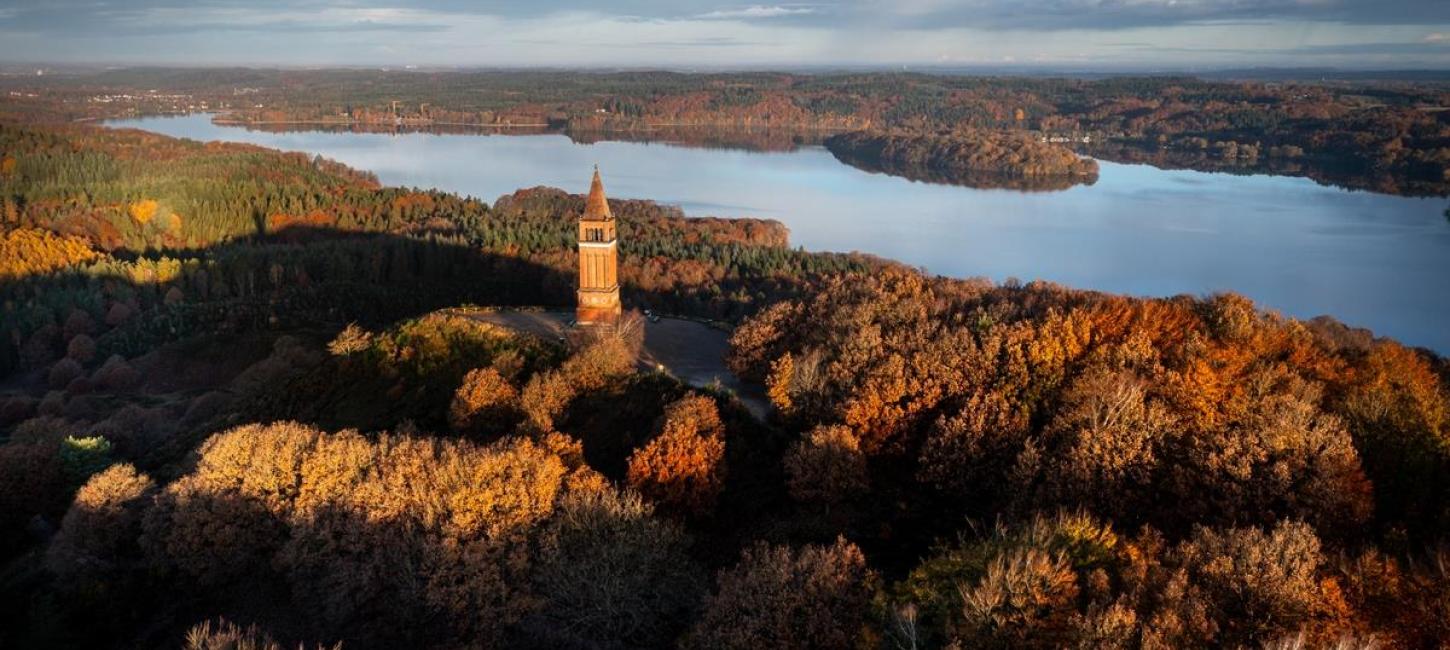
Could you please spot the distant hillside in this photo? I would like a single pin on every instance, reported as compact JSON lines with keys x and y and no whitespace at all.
{"x":1381,"y":134}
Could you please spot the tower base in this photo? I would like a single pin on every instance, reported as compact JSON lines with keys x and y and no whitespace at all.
{"x":597,"y":315}
{"x":598,"y":307}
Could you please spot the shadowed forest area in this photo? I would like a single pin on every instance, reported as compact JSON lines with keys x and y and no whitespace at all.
{"x":234,"y":408}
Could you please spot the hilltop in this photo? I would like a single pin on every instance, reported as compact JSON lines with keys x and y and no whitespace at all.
{"x":237,"y":384}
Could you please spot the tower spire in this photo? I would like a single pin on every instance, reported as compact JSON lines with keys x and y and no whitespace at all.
{"x":596,"y":207}
{"x":598,"y":260}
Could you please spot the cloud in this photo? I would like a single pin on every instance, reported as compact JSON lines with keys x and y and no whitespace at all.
{"x":295,"y":26}
{"x":1107,"y":34}
{"x":1371,"y":49}
{"x":756,"y":11}
{"x":1430,"y":49}
{"x":1057,"y":15}
{"x":70,"y":16}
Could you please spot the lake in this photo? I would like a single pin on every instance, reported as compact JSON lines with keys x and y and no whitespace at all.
{"x":1290,"y":244}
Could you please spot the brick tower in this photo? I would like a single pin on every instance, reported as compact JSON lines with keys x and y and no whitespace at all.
{"x":598,"y":260}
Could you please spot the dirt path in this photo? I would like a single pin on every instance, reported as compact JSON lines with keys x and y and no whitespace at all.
{"x":693,"y":352}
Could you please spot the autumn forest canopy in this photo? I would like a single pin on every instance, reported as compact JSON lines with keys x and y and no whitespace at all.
{"x":246,"y":396}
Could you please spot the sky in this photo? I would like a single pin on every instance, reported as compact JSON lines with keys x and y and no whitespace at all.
{"x":696,"y":34}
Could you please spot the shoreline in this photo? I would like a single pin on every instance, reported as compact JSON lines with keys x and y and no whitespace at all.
{"x":1322,"y":170}
{"x":933,"y":269}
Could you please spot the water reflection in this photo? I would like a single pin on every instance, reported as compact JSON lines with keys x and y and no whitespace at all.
{"x":982,"y":180}
{"x":1354,"y":177}
{"x":1368,"y":259}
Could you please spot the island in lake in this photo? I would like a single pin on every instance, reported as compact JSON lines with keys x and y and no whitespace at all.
{"x":985,"y":159}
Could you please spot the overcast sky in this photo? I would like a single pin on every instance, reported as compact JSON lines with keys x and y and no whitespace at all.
{"x":1093,"y":34}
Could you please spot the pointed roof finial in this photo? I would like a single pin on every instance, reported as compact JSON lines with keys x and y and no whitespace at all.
{"x":596,"y":207}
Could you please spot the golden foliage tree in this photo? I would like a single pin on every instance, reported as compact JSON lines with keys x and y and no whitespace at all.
{"x":98,"y":535}
{"x":683,"y":468}
{"x":544,"y":398}
{"x":225,"y":519}
{"x":430,"y":527}
{"x":378,"y":536}
{"x":591,"y":368}
{"x":143,"y":211}
{"x":778,"y":383}
{"x":601,"y":361}
{"x":25,"y":252}
{"x":485,"y":403}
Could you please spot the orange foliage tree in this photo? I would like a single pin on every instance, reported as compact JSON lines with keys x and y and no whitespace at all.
{"x":683,"y":468}
{"x":485,"y":403}
{"x":1039,"y":396}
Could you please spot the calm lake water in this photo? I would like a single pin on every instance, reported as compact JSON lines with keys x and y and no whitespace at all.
{"x":1303,"y":249}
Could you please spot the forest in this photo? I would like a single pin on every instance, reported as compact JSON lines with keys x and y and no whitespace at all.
{"x":973,"y":158}
{"x":1379,"y":134}
{"x":243,"y":404}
